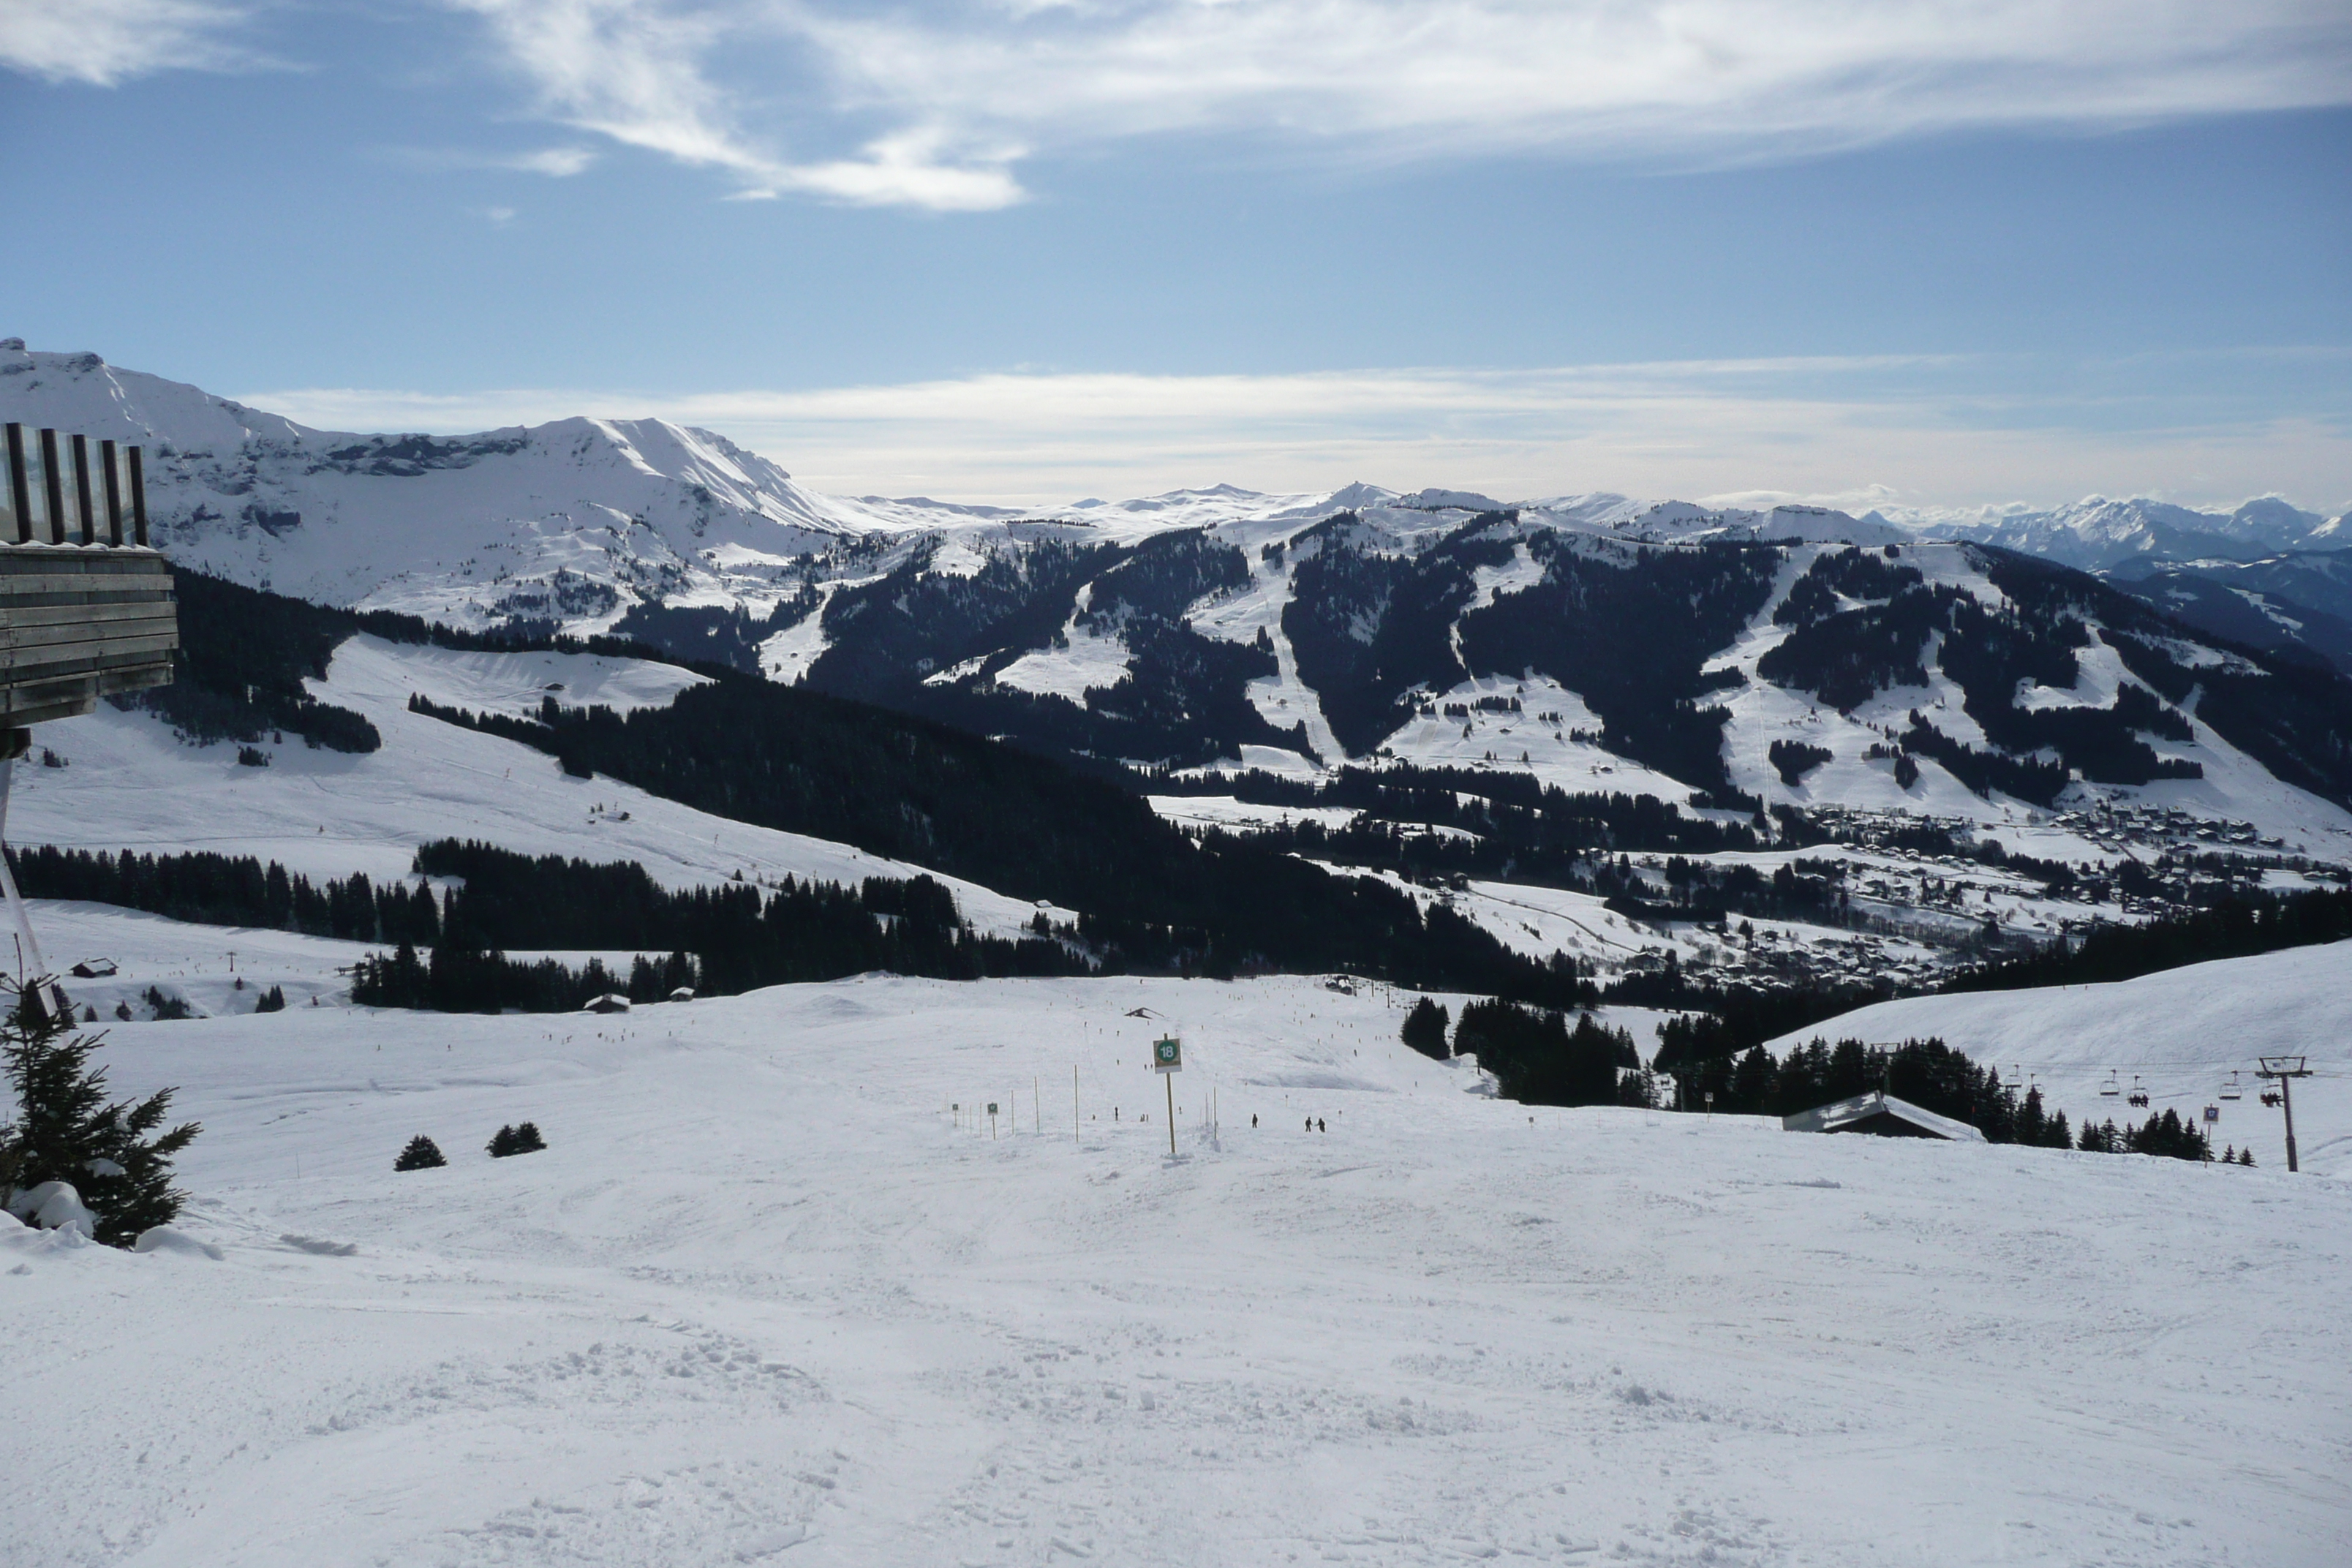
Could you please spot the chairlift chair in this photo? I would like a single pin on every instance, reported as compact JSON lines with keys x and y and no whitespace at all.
{"x":2271,"y":1097}
{"x":2110,"y":1088}
{"x":2230,"y":1091}
{"x":2139,"y":1096}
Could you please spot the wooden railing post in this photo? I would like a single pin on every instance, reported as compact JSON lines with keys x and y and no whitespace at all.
{"x":20,"y":484}
{"x":81,"y":488}
{"x":53,"y":485}
{"x":108,"y":460}
{"x":138,"y":498}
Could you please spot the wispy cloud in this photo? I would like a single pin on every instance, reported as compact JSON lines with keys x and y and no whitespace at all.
{"x":640,"y":73}
{"x":104,"y":42}
{"x":962,"y":88}
{"x":1586,"y":74}
{"x":1866,"y":431}
{"x":556,"y":162}
{"x":935,"y":103}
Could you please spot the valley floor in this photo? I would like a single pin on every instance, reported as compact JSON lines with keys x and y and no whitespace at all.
{"x":768,"y":1298}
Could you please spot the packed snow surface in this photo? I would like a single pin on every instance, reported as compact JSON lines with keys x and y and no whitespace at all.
{"x":766,"y":1297}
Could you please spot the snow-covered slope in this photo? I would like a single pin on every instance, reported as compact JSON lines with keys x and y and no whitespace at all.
{"x":214,"y":971}
{"x":765,"y":1298}
{"x":569,"y":520}
{"x":130,"y":784}
{"x":2183,"y":1036}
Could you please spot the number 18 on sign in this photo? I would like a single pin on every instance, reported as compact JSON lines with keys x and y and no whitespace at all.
{"x":1167,"y":1058}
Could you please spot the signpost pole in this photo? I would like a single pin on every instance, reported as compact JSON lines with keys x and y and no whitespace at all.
{"x":1171,"y":1080}
{"x":1167,"y":1060}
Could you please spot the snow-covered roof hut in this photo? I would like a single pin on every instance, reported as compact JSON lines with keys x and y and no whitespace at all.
{"x":1883,"y":1114}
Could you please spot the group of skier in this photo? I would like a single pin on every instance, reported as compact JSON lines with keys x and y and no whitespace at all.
{"x":1314,"y":1123}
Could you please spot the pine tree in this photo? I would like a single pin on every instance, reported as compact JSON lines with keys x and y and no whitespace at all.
{"x":422,"y":1154}
{"x":111,"y":1153}
{"x":1751,"y":1080}
{"x":522,"y":1139}
{"x":2029,"y":1124}
{"x":1638,"y":1089}
{"x":1424,"y":1029}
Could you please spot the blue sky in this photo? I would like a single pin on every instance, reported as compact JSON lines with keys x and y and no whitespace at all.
{"x":1912,"y":254}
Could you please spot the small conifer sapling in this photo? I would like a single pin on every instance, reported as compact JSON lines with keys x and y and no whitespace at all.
{"x":115,"y":1154}
{"x":522,"y":1139}
{"x":422,"y":1154}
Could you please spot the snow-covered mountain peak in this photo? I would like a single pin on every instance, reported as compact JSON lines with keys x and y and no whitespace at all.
{"x":82,"y":392}
{"x":2099,"y":533}
{"x":579,"y":520}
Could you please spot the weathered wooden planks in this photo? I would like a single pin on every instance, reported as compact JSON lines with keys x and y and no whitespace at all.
{"x":81,"y":621}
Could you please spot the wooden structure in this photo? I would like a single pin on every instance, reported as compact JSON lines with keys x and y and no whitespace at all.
{"x":87,"y":606}
{"x":1881,"y":1113}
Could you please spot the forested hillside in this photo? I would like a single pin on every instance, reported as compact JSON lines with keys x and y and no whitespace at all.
{"x":1149,"y":895}
{"x":923,"y":791}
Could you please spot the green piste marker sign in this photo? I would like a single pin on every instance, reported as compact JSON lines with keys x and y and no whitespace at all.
{"x":1168,"y":1056}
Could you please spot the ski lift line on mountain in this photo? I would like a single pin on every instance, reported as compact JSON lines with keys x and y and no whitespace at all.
{"x":82,"y":616}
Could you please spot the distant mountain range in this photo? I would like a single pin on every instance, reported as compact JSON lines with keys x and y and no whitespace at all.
{"x":1725,"y":658}
{"x":2098,"y":534}
{"x":578,"y":521}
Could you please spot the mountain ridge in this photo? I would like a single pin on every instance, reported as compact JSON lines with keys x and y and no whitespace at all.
{"x":1722,"y":660}
{"x":576,"y":521}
